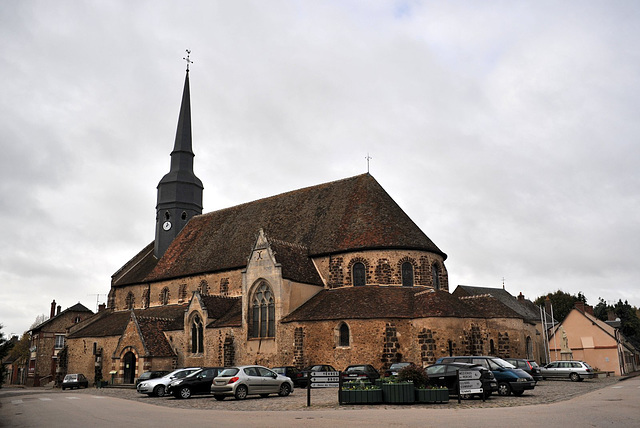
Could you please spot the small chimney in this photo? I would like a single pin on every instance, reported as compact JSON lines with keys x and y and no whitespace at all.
{"x":579,"y":305}
{"x":58,"y":310}
{"x":589,"y":310}
{"x":102,"y":307}
{"x":53,"y":309}
{"x":521,"y":297}
{"x":547,"y":305}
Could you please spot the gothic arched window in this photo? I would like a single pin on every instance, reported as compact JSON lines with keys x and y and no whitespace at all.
{"x":435,"y":271}
{"x":130,"y":300}
{"x":262,"y":312}
{"x":359,"y":274}
{"x":164,"y":296}
{"x":197,"y":335}
{"x":407,"y":274}
{"x":344,"y":338}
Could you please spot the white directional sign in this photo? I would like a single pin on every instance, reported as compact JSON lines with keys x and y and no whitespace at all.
{"x":470,"y":387}
{"x":469,"y":374}
{"x":325,"y":379}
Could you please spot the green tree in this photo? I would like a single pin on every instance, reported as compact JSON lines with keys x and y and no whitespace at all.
{"x":562,"y":303}
{"x":5,"y":347}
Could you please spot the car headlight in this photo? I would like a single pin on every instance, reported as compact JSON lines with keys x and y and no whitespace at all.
{"x":143,"y":384}
{"x":523,"y":379}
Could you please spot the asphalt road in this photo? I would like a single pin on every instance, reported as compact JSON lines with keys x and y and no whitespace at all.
{"x":614,"y":405}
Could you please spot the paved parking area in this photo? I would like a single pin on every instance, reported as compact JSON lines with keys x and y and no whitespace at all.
{"x":548,"y":391}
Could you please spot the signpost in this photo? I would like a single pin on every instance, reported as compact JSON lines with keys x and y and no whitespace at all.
{"x":469,"y":383}
{"x":322,"y":380}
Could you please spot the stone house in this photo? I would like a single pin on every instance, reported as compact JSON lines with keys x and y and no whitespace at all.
{"x":335,"y":273}
{"x":48,"y":339}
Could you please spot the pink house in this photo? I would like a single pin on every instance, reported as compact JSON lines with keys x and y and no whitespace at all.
{"x":582,"y":336}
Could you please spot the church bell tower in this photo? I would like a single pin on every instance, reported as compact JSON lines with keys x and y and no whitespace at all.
{"x":179,"y":191}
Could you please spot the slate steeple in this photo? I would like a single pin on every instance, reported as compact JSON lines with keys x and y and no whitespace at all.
{"x":179,"y":191}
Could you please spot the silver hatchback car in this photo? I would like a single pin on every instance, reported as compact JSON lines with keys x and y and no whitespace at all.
{"x":250,"y":380}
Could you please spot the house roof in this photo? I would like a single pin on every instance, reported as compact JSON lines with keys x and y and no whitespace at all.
{"x":223,"y":311}
{"x":525,"y":308}
{"x":78,"y":307}
{"x":372,"y":301}
{"x":346,"y":215}
{"x":110,"y":323}
{"x":155,"y":342}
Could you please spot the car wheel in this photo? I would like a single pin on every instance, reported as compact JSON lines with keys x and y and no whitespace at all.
{"x":185,"y":392}
{"x":518,"y":393}
{"x":158,"y":391}
{"x":241,"y":392}
{"x":285,"y":390}
{"x":63,"y":388}
{"x":504,"y":388}
{"x":574,"y":377}
{"x":219,"y":397}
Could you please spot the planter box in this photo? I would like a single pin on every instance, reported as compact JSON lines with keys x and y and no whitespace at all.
{"x":359,"y":396}
{"x":399,"y":393}
{"x":432,"y":395}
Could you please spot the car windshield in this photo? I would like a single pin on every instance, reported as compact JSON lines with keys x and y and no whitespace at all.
{"x":356,"y":369}
{"x":70,"y":377}
{"x":398,"y":365}
{"x":196,"y":373}
{"x":533,"y":364}
{"x":145,"y":375}
{"x":502,"y":363}
{"x":229,"y":372}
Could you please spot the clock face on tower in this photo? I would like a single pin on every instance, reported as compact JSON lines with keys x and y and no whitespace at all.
{"x":166,"y":225}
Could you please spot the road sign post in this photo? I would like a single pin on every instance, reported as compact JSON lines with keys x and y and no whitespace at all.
{"x":322,"y":380}
{"x":469,"y":383}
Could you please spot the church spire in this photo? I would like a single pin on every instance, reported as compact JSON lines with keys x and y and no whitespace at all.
{"x":179,"y":191}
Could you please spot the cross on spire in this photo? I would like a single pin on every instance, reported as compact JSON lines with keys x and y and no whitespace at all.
{"x":187,"y":59}
{"x":368,"y":158}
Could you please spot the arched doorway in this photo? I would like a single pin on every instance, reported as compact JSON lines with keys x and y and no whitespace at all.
{"x":129,"y":367}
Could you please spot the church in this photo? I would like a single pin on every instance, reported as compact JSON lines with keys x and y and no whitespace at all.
{"x":335,"y":273}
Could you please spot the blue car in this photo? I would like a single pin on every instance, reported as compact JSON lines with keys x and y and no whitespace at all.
{"x":510,"y":379}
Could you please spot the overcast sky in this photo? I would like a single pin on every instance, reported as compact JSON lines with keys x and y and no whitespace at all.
{"x":508,"y":131}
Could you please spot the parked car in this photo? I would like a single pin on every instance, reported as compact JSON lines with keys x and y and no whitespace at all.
{"x":154,"y":374}
{"x":158,"y":386}
{"x":76,"y":380}
{"x":291,"y":372}
{"x":577,"y":371}
{"x":360,"y":372}
{"x":528,"y":366}
{"x":305,"y":373}
{"x":395,"y":368}
{"x":198,"y":382}
{"x":446,"y":374}
{"x":250,"y":380}
{"x":510,"y":379}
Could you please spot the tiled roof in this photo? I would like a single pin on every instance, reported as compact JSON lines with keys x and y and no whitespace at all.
{"x":527,"y":311}
{"x":296,"y":263}
{"x":108,"y":323}
{"x":346,"y":215}
{"x":394,"y":302}
{"x":154,"y":340}
{"x":219,"y":307}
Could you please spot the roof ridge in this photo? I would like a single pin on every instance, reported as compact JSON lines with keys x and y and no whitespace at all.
{"x":475,"y":296}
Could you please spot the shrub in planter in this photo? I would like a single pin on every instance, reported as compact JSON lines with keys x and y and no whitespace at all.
{"x":415,"y":374}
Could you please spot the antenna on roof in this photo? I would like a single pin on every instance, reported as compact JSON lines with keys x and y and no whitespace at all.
{"x":368,"y":158}
{"x":503,"y":282}
{"x":97,"y":300}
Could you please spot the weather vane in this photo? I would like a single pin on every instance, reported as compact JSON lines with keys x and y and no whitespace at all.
{"x":368,"y":158}
{"x":187,"y":59}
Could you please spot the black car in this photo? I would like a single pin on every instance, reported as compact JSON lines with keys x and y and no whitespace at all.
{"x":528,"y":366}
{"x":292,"y":373}
{"x":446,"y":374}
{"x":76,"y":380}
{"x":151,"y":375}
{"x":395,"y":368}
{"x":198,"y":382}
{"x":302,"y":378}
{"x":360,"y":372}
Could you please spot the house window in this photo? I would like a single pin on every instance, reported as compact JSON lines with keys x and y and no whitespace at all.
{"x":197,"y":335}
{"x":407,"y":274}
{"x":435,"y":271}
{"x":59,"y":341}
{"x":344,"y":335}
{"x":130,"y":300}
{"x":263,"y":312}
{"x":164,"y":296}
{"x":359,"y":274}
{"x":492,"y":347}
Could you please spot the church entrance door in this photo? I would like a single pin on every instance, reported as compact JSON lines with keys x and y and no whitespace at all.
{"x":129,"y":367}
